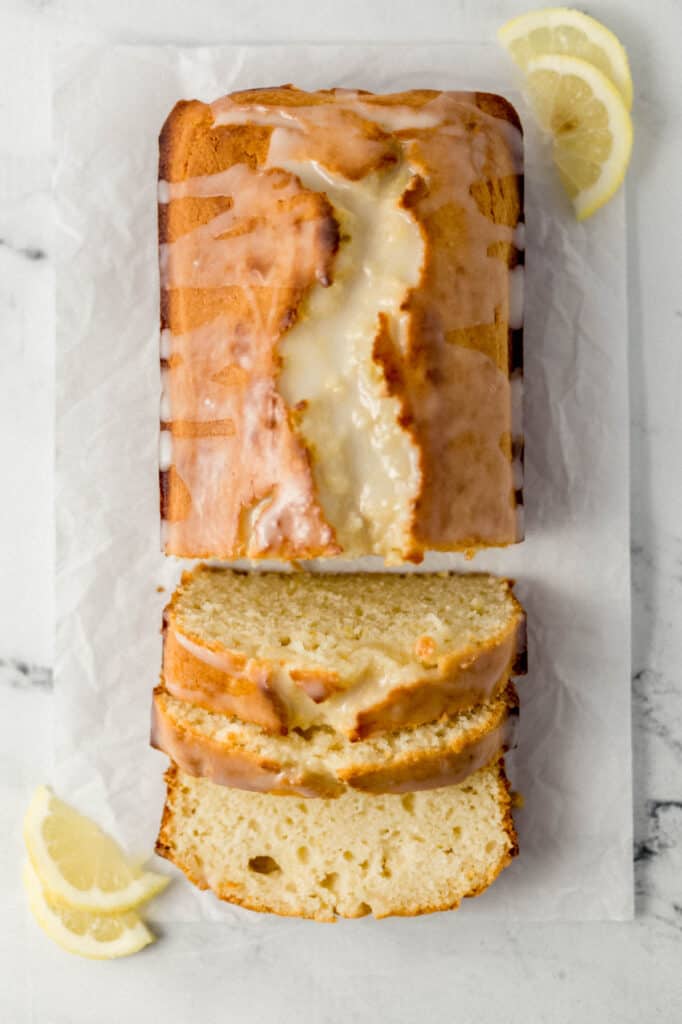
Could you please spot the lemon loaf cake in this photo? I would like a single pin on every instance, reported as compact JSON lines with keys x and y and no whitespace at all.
{"x":359,"y":653}
{"x":341,"y":313}
{"x":322,"y":763}
{"x":360,"y":854}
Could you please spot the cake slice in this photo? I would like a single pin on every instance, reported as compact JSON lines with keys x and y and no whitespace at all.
{"x":360,"y":854}
{"x":322,"y":763}
{"x":362,"y":654}
{"x":341,"y":313}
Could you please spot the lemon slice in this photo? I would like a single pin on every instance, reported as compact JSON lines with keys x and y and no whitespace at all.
{"x":78,"y":865}
{"x":569,"y":32}
{"x":98,"y":936}
{"x":590,"y":127}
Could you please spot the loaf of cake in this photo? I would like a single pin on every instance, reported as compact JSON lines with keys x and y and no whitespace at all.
{"x":359,"y":654}
{"x":359,"y":854}
{"x":341,"y":313}
{"x":321,"y":763}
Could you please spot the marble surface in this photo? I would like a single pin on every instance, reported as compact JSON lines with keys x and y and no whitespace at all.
{"x":469,"y":971}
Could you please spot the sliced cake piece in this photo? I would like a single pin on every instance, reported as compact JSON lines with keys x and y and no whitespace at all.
{"x":323,"y":763}
{"x":360,"y":854}
{"x":361,"y":653}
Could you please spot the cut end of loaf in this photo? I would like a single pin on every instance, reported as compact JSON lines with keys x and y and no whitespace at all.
{"x":361,"y":854}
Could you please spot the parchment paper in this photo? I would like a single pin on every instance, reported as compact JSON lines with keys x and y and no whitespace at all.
{"x":573,"y":760}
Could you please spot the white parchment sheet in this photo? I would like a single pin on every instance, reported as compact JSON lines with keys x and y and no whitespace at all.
{"x":573,"y":759}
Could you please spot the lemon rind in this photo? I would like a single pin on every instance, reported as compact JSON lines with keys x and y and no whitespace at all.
{"x":599,"y":34}
{"x":590,"y":200}
{"x":131,"y":940}
{"x":61,"y":891}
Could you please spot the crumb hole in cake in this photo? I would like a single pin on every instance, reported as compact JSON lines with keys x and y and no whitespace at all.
{"x":407,"y":800}
{"x":364,"y":909}
{"x":284,"y":641}
{"x":385,"y":870}
{"x":264,"y":865}
{"x":347,"y":855}
{"x":303,"y":853}
{"x":330,"y":881}
{"x":252,"y":824}
{"x":490,"y":847}
{"x":364,"y":864}
{"x":457,"y":831}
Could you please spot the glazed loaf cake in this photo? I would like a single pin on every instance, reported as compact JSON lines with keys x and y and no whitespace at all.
{"x":322,"y":763}
{"x":361,"y":654}
{"x":360,"y":854}
{"x":341,"y":312}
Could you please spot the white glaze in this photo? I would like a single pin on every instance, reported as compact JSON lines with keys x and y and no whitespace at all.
{"x":165,"y":409}
{"x":165,"y":450}
{"x":519,"y":236}
{"x":166,"y":344}
{"x":366,"y":465}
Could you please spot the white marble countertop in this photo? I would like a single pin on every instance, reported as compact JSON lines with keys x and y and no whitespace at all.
{"x":483,"y":971}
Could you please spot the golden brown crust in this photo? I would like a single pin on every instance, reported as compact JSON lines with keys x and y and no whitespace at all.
{"x":497,"y":106}
{"x":222,"y":763}
{"x":470,"y":678}
{"x":191,"y":146}
{"x":235,"y":760}
{"x":250,"y":692}
{"x":327,"y":147}
{"x":231,"y":893}
{"x":250,"y":698}
{"x":467,"y":498}
{"x":416,"y":770}
{"x":456,"y":458}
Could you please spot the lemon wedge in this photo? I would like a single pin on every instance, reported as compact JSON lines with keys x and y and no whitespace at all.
{"x":78,"y":865}
{"x":589,"y":124}
{"x":98,"y":936}
{"x":561,"y":30}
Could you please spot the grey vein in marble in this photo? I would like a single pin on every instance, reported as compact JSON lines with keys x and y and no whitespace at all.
{"x":29,"y":253}
{"x":19,"y":675}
